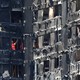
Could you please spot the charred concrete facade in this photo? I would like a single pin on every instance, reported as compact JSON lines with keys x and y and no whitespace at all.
{"x":57,"y":56}
{"x":47,"y":45}
{"x":47,"y":37}
{"x":73,"y":23}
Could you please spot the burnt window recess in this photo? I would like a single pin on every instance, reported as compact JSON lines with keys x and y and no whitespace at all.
{"x":39,"y":25}
{"x":56,"y":62}
{"x":16,"y":16}
{"x":16,"y":44}
{"x":69,"y":33}
{"x":1,"y":70}
{"x":21,"y":71}
{"x":45,"y":13}
{"x":16,"y":71}
{"x":46,"y":39}
{"x":35,"y":15}
{"x":37,"y":69}
{"x":77,"y":55}
{"x":67,"y":59}
{"x":32,"y":70}
{"x":39,"y":3}
{"x":60,"y":61}
{"x":57,"y":10}
{"x":46,"y":66}
{"x":77,"y":77}
{"x":58,"y":36}
{"x":36,"y":43}
{"x":51,"y":2}
{"x":77,"y":5}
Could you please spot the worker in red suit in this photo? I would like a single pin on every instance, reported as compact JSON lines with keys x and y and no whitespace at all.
{"x":13,"y":45}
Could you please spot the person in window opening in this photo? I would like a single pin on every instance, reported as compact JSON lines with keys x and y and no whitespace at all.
{"x":13,"y":45}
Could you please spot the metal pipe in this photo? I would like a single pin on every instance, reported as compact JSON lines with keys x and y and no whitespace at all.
{"x":35,"y":70}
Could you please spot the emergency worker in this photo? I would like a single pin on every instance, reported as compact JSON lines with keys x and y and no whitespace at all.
{"x":13,"y":45}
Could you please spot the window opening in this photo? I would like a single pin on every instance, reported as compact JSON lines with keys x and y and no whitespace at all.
{"x":46,"y":66}
{"x":16,"y":16}
{"x":46,"y":40}
{"x":45,"y":13}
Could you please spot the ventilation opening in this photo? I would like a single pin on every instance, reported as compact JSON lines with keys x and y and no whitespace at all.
{"x":16,"y":16}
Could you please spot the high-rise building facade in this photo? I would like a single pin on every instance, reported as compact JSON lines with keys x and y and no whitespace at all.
{"x":11,"y":40}
{"x":39,"y":40}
